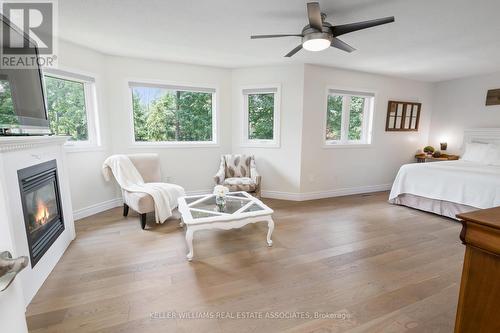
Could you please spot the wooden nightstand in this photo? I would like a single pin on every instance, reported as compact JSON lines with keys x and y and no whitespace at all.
{"x":423,"y":158}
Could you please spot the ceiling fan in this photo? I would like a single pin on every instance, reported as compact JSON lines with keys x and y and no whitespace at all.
{"x":318,"y":35}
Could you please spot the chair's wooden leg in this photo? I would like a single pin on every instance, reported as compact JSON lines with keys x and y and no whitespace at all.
{"x":257,"y":192}
{"x":125,"y":209}
{"x":143,"y":221}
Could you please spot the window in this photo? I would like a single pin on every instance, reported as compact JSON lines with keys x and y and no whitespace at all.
{"x":71,"y":105}
{"x":348,"y":117}
{"x":7,"y":113}
{"x":261,"y":116}
{"x":173,"y":114}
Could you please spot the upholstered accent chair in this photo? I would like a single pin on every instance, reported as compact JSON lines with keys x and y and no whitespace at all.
{"x":239,"y":173}
{"x":148,"y":166}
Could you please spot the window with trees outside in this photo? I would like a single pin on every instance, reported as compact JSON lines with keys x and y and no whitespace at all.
{"x":71,"y":104}
{"x":261,"y":116}
{"x":173,"y":114}
{"x":348,"y":117}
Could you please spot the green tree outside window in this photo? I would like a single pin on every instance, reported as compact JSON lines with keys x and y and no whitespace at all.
{"x":348,"y":110}
{"x":162,"y":115}
{"x":334,"y":117}
{"x":260,"y":116}
{"x":7,"y":114}
{"x":356,"y":111}
{"x":66,"y":108}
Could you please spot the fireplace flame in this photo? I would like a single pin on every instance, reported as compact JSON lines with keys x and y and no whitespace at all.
{"x":42,"y":213}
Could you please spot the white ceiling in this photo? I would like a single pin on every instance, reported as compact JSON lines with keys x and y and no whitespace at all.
{"x":431,"y":40}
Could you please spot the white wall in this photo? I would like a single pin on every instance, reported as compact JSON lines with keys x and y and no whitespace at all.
{"x":335,"y":171}
{"x":299,"y":168}
{"x":88,"y":187}
{"x":193,"y":168}
{"x":460,"y":104}
{"x":279,"y":166}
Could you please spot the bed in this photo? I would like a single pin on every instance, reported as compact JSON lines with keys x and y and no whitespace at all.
{"x":451,"y":187}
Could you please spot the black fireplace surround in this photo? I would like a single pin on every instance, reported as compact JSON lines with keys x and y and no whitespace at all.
{"x":40,"y":196}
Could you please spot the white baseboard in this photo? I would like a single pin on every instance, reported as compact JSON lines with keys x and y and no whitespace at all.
{"x":97,"y":208}
{"x":325,"y":194}
{"x":281,"y":195}
{"x":109,"y":204}
{"x":345,"y":191}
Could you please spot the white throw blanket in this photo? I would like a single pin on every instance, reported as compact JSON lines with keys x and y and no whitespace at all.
{"x":164,"y":195}
{"x":467,"y":183}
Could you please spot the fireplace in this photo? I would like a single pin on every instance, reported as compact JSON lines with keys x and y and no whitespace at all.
{"x":41,"y":202}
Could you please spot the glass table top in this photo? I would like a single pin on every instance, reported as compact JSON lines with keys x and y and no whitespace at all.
{"x":235,"y":203}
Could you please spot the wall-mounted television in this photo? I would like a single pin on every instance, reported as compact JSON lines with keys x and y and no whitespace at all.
{"x":23,"y":108}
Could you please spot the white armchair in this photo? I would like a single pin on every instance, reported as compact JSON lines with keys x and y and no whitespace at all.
{"x":148,"y":166}
{"x":239,"y":173}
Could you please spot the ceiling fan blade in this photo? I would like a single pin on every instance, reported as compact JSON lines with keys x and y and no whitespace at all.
{"x":295,"y":50}
{"x":347,"y":28}
{"x":337,"y":43}
{"x":314,"y":15}
{"x":274,"y":36}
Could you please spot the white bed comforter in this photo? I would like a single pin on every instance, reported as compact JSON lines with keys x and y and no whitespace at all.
{"x":465,"y":183}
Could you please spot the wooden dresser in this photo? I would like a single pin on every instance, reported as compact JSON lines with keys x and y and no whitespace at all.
{"x":479,"y":301}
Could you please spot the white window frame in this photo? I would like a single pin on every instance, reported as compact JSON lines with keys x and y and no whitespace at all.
{"x":368,"y":112}
{"x":192,"y":87}
{"x":91,"y":107}
{"x":275,"y":89}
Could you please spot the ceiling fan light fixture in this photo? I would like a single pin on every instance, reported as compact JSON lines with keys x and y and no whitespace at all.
{"x":317,"y":41}
{"x":319,"y":34}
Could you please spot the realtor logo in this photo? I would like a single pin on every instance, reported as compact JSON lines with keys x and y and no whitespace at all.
{"x":31,"y":23}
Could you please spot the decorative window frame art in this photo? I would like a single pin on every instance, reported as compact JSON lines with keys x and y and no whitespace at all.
{"x":402,"y":116}
{"x":493,"y":97}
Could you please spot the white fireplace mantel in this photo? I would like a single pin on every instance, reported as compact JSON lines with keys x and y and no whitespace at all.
{"x":18,"y":153}
{"x":11,"y":143}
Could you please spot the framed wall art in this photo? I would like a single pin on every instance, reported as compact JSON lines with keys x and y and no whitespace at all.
{"x":402,"y":116}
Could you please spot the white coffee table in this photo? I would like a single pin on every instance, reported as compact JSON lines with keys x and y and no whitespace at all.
{"x":200,"y":212}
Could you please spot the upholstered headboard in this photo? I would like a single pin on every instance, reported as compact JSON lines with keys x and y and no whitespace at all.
{"x":482,"y":135}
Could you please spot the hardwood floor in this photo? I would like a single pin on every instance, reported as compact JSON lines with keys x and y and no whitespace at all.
{"x":389,"y":268}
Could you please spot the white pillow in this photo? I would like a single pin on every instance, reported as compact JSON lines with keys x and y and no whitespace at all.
{"x":476,"y":152}
{"x":493,"y":157}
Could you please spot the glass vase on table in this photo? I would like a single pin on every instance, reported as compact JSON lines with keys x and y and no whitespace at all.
{"x":220,"y":197}
{"x":220,"y":201}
